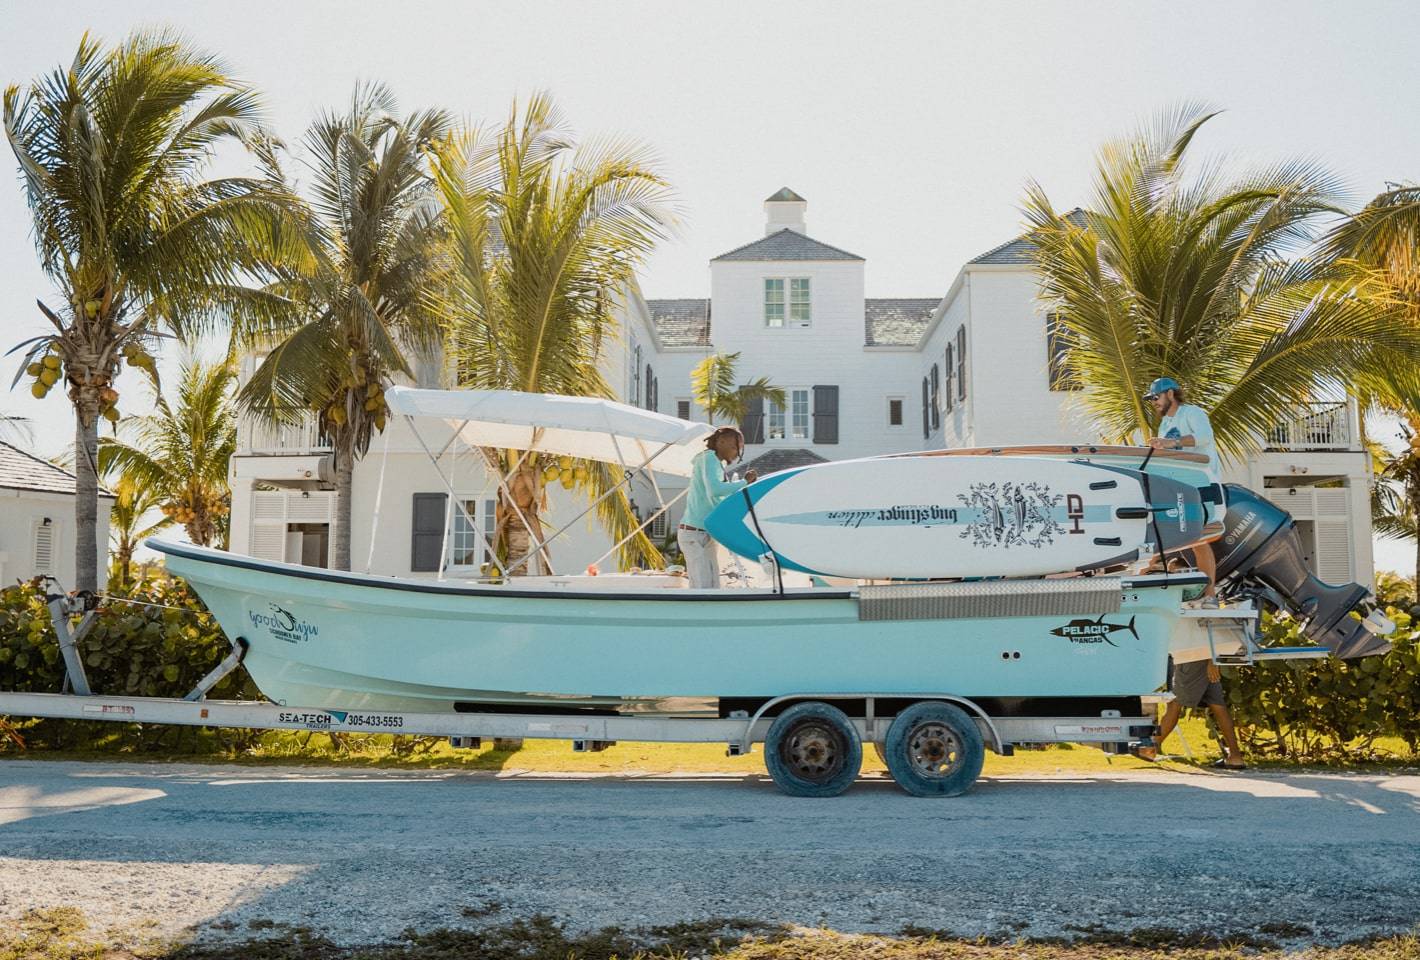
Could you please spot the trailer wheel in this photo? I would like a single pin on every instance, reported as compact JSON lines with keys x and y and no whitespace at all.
{"x":813,"y":750}
{"x":934,"y":750}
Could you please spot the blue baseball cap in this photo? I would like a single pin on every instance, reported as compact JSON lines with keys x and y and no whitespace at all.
{"x":1159,"y":386}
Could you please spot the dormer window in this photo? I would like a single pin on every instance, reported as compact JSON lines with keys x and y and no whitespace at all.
{"x":799,"y":310}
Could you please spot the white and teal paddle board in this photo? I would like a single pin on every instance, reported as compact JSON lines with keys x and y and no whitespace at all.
{"x":970,"y":516}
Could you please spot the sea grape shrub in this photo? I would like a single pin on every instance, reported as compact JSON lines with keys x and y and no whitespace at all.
{"x":1329,"y":709}
{"x":160,"y":646}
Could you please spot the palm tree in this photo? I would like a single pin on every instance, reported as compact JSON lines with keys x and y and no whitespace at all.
{"x":1192,"y":275}
{"x":713,"y":382}
{"x":135,"y":500}
{"x":179,"y":452}
{"x":545,"y":237}
{"x":1395,"y":498}
{"x":112,"y":149}
{"x":363,"y":305}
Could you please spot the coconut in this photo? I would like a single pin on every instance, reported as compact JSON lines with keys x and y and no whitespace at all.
{"x":38,"y":389}
{"x":51,"y":361}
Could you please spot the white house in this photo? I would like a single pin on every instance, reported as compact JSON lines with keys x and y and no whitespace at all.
{"x":37,"y":519}
{"x":863,"y":376}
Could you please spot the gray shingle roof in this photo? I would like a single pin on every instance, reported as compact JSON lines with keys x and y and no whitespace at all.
{"x":772,"y":461}
{"x":896,"y":321}
{"x":24,"y":471}
{"x":787,"y":245}
{"x":681,"y":323}
{"x":1021,"y":250}
{"x":786,"y":195}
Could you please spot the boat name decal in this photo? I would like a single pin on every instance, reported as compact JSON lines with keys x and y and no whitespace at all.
{"x":283,"y":624}
{"x":1093,"y":631}
{"x":1015,"y":514}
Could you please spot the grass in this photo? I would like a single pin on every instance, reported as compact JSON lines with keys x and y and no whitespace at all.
{"x":63,"y":934}
{"x":625,"y":758}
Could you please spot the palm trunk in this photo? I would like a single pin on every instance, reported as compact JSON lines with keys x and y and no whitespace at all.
{"x":86,"y":492}
{"x":344,"y":483}
{"x":526,"y":489}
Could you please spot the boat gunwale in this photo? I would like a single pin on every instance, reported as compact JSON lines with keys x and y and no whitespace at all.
{"x":223,"y":558}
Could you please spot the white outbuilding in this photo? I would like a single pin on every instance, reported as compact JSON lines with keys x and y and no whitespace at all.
{"x":37,"y":525}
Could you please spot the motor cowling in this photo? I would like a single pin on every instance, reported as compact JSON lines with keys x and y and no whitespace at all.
{"x":1260,"y":555}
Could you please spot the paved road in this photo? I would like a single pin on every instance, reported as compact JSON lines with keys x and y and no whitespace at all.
{"x":363,"y":855}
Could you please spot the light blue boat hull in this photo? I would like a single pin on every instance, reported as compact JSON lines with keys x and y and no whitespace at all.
{"x":322,"y":639}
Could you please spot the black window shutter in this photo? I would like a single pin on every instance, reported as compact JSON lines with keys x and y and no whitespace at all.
{"x":427,"y":537}
{"x":926,"y":423}
{"x":961,"y":362}
{"x":936,"y":399}
{"x":947,"y":396}
{"x":826,"y":414}
{"x":752,"y":426}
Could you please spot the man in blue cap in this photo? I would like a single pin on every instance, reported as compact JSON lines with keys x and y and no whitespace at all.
{"x":1183,"y":426}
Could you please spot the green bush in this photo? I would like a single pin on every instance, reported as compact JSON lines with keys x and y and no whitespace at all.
{"x":159,"y":645}
{"x":1328,"y":709}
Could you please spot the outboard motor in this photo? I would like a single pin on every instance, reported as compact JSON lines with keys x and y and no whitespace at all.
{"x":1260,"y":556}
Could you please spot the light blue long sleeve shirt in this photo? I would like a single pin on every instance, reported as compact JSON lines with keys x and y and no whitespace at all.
{"x":1193,"y":421}
{"x":708,"y":487}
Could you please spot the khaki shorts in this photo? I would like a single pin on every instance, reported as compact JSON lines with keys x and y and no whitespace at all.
{"x":1190,"y":686}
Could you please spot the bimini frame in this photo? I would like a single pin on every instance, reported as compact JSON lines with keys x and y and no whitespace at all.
{"x":581,"y":427}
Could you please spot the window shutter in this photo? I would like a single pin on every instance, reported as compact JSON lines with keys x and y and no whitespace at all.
{"x":427,"y":532}
{"x":656,"y":394}
{"x":961,"y":362}
{"x":947,"y":397}
{"x":936,"y":400}
{"x":826,"y":414}
{"x":752,"y":426}
{"x":926,"y":423}
{"x":44,"y":548}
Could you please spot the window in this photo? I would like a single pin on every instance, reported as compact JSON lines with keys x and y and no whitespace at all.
{"x":682,"y":408}
{"x":934,"y":402}
{"x":793,"y":423}
{"x":465,"y":547}
{"x":659,"y":526}
{"x":800,"y":313}
{"x":895,"y":411}
{"x":926,"y":423}
{"x":961,"y":362}
{"x":1058,"y":340}
{"x":773,"y":302}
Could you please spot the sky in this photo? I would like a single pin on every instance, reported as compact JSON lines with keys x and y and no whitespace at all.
{"x":910,"y":128}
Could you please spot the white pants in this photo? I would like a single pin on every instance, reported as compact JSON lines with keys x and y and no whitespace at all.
{"x":702,"y":561}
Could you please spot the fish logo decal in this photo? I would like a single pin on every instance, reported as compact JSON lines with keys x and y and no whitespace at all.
{"x":1094,"y":631}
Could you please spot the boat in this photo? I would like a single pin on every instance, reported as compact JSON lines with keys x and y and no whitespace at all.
{"x":323,"y":639}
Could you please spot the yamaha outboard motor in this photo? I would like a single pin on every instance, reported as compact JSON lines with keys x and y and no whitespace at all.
{"x":1260,"y":556}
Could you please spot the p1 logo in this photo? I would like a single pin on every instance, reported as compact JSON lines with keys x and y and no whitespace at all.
{"x":1075,"y":511}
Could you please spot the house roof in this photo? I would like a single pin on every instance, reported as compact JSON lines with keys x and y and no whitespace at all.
{"x":896,"y":321}
{"x":681,"y":323}
{"x":25,"y":471}
{"x":1021,"y":250}
{"x":787,"y":244}
{"x":785,"y":195}
{"x":773,"y":461}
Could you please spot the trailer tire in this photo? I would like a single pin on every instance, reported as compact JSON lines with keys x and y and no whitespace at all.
{"x":813,"y":750}
{"x":934,"y":750}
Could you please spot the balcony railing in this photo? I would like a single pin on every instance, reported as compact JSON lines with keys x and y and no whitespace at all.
{"x":262,"y":437}
{"x":1326,"y":425}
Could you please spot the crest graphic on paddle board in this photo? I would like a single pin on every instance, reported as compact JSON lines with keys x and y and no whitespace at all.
{"x":1012,"y":514}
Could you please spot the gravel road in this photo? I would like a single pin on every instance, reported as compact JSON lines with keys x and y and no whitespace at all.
{"x":360,"y":856}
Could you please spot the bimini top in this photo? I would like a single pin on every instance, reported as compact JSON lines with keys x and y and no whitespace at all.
{"x":585,"y":427}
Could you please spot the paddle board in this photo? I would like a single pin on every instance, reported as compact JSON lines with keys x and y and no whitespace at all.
{"x":1181,"y":465}
{"x":969,"y":516}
